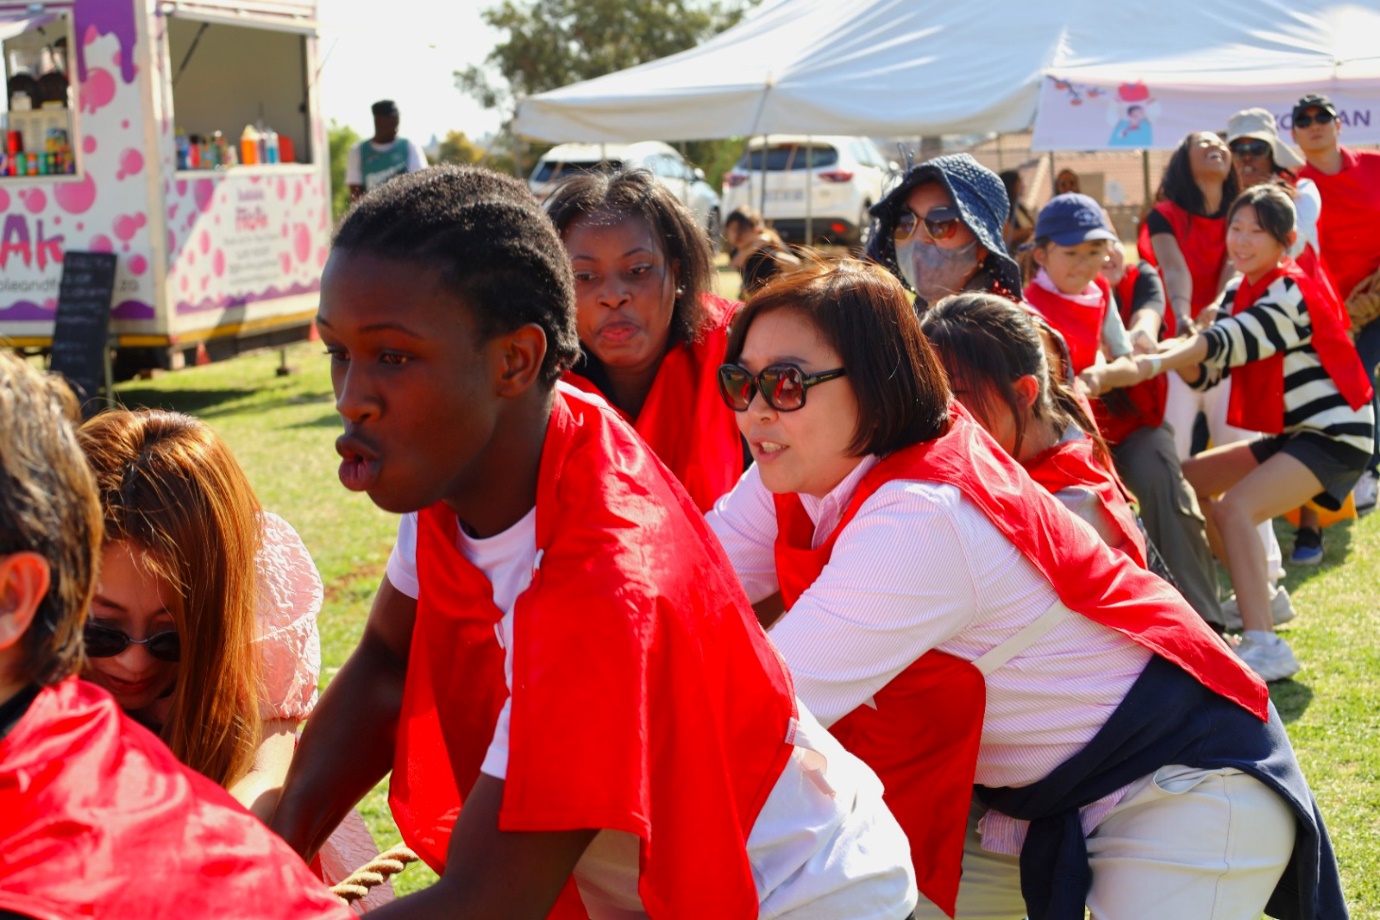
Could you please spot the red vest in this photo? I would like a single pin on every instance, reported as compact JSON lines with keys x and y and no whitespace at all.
{"x":684,"y":419}
{"x":1081,"y":326}
{"x":1073,"y":463}
{"x":646,"y":697}
{"x":922,"y":738}
{"x":1203,"y":242}
{"x":99,"y":819}
{"x":1350,"y":215}
{"x":1137,"y":406}
{"x":1257,"y":390}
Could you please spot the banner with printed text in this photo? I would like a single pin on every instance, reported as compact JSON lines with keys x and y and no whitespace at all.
{"x":1140,"y":116}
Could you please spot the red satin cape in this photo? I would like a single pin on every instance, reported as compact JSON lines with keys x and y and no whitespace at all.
{"x":1257,"y":390}
{"x":684,"y":419}
{"x":99,"y":819}
{"x":646,"y":697}
{"x":922,"y":736}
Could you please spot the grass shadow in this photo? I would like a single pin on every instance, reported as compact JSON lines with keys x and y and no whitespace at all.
{"x":1291,"y":698}
{"x":330,"y":420}
{"x":193,"y":402}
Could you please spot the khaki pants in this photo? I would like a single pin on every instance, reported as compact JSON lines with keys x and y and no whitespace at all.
{"x":1201,"y":844}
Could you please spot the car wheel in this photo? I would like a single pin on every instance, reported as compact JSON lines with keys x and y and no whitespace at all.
{"x":714,"y":227}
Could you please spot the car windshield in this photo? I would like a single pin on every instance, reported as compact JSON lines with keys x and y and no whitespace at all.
{"x":780,"y":157}
{"x":549,"y":170}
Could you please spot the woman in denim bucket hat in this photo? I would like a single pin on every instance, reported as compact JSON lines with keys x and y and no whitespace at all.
{"x":939,"y":231}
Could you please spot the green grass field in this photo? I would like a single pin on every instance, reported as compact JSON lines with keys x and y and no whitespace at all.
{"x":282,"y":429}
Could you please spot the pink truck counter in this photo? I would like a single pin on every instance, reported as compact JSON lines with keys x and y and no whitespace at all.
{"x":123,"y":132}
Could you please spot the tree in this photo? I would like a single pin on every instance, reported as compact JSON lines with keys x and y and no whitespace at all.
{"x":553,"y":43}
{"x":458,"y":149}
{"x":340,"y":138}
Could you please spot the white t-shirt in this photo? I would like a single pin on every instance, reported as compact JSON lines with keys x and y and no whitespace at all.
{"x":416,"y":159}
{"x":824,"y":844}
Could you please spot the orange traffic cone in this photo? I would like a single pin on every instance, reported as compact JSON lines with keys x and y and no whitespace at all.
{"x":202,"y":356}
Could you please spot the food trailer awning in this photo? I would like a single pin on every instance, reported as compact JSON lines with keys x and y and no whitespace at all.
{"x":283,"y":15}
{"x":14,"y":23}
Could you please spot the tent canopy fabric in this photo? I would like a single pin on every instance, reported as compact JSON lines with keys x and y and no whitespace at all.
{"x":927,"y":67}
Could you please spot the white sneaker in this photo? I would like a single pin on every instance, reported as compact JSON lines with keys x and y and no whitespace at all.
{"x":1281,"y":609}
{"x":1365,"y":492}
{"x":1271,"y":660}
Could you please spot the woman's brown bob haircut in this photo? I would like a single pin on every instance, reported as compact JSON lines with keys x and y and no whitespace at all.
{"x":862,"y":312}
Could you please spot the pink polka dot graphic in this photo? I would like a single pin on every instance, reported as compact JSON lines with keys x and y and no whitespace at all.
{"x":131,"y":163}
{"x":88,"y":143}
{"x":203,"y":242}
{"x":76,"y":197}
{"x":301,"y":242}
{"x":126,"y":225}
{"x":203,"y":191}
{"x":4,"y":200}
{"x":101,"y":243}
{"x":218,"y":262}
{"x":35,"y":200}
{"x":138,"y":265}
{"x":98,"y":90}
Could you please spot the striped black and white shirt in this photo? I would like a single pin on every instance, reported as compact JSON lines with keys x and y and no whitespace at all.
{"x":1279,"y":322}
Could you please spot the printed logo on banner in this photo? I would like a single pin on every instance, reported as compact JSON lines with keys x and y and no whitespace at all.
{"x":1140,"y":116}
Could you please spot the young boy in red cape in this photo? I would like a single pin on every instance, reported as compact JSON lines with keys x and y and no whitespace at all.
{"x":97,"y":817}
{"x":582,"y":715}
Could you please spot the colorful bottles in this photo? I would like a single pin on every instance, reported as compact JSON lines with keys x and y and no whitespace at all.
{"x":249,"y":145}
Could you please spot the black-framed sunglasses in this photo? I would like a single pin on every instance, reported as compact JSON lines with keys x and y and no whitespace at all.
{"x":1307,"y":121}
{"x":940,"y":224}
{"x":1252,"y":148}
{"x":107,"y":642}
{"x":783,"y":386}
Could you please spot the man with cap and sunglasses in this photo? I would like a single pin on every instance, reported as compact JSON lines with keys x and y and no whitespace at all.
{"x":940,"y":229}
{"x":371,"y":163}
{"x":1349,"y":181}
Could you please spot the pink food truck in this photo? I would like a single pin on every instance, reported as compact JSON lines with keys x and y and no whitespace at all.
{"x":184,"y":137}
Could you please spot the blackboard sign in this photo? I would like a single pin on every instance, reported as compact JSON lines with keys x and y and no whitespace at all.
{"x":81,"y":331}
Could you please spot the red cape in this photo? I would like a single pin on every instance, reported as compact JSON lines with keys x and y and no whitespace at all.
{"x":1073,"y":463}
{"x":922,"y":736}
{"x":1081,"y":327}
{"x":646,"y":697}
{"x":1257,"y":392}
{"x":98,"y":819}
{"x":1203,"y":242}
{"x":684,"y":419}
{"x":1347,"y":224}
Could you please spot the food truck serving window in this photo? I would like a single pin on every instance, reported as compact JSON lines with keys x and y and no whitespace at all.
{"x":39,"y":134}
{"x":239,"y":94}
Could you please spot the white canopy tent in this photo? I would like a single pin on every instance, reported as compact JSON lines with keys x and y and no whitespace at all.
{"x":927,"y":67}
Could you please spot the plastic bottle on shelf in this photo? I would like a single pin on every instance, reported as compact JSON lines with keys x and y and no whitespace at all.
{"x":183,"y":150}
{"x":271,"y":145}
{"x":249,"y":146}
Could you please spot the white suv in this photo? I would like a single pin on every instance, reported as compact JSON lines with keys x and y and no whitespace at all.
{"x":685,"y":182}
{"x":846,"y":176}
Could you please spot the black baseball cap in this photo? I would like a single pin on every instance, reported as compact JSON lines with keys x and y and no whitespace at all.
{"x":1314,"y":101}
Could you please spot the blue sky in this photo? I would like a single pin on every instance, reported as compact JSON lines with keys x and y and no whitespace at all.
{"x":407,"y":54}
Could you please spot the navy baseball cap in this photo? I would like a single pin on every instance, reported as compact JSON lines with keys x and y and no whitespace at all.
{"x":1314,"y":101}
{"x":1070,"y":219}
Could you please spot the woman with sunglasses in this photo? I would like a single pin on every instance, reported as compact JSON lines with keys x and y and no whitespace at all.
{"x":940,"y":231}
{"x":203,"y":624}
{"x":652,"y":332}
{"x":957,"y":628}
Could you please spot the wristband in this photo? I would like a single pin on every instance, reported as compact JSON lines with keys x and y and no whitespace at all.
{"x":1156,"y":363}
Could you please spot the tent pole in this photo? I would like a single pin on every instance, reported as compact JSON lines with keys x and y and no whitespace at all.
{"x":1145,"y":177}
{"x":1053,"y":176}
{"x":809,"y":190}
{"x":766,"y":150}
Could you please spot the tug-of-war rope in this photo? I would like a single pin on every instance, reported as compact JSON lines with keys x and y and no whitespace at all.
{"x":373,"y":873}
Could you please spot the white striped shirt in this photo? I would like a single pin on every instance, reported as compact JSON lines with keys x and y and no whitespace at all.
{"x":918,"y":568}
{"x":1279,"y":322}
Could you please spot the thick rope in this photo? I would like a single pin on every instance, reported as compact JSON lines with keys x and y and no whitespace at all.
{"x":373,"y":873}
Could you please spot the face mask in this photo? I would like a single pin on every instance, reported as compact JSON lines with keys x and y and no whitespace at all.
{"x":935,"y":273}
